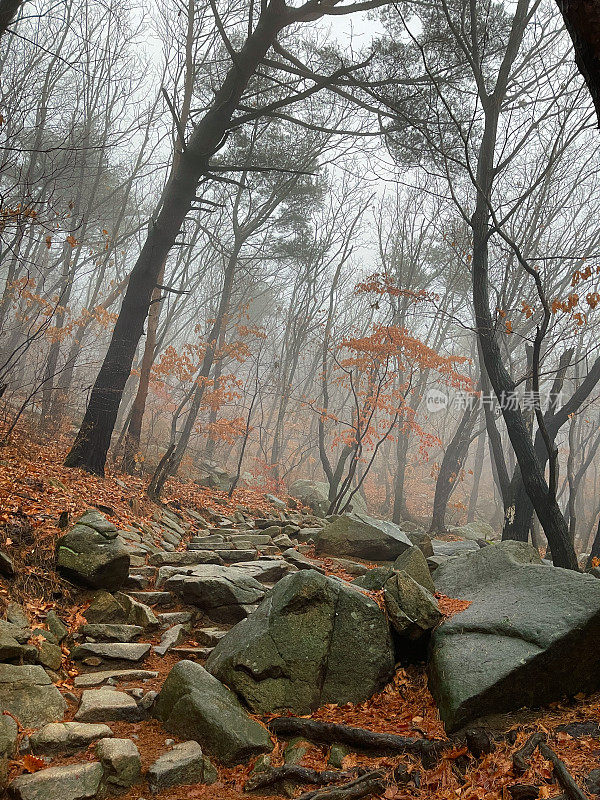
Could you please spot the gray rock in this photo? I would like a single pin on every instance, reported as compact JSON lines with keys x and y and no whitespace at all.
{"x":121,"y":762}
{"x":189,"y":558}
{"x":113,"y":633}
{"x":293,"y":652}
{"x":209,"y":637}
{"x":168,"y":618}
{"x":56,"y":626}
{"x":474,"y":531}
{"x":373,"y":579}
{"x":195,"y":705}
{"x":222,"y":593}
{"x":452,"y":549}
{"x":113,"y":675}
{"x":171,"y":638}
{"x":8,"y":745}
{"x":72,"y":782}
{"x":184,"y":764}
{"x":119,"y":609}
{"x":28,"y":693}
{"x":16,"y":615}
{"x":415,"y":564}
{"x":266,"y":570}
{"x":66,"y":737}
{"x":529,"y":636}
{"x":363,"y":537}
{"x":315,"y":495}
{"x":111,"y":651}
{"x":411,"y":609}
{"x":300,"y":561}
{"x":92,"y":554}
{"x":107,"y":705}
{"x":420,"y":539}
{"x":276,"y":501}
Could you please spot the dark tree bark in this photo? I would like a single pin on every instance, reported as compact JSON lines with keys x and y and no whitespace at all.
{"x":93,"y":440}
{"x":452,"y":463}
{"x":8,"y":11}
{"x":582,"y":20}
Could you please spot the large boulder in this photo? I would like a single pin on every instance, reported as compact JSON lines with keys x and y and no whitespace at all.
{"x":529,"y":636}
{"x":313,"y":640}
{"x":193,"y":704}
{"x":315,"y":495}
{"x":28,"y":694}
{"x":92,"y":554}
{"x":225,"y":594}
{"x":362,"y":536}
{"x":474,"y":531}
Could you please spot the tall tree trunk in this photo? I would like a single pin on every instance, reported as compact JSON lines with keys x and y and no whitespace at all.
{"x":452,"y":463}
{"x":477,"y":470}
{"x":91,"y":445}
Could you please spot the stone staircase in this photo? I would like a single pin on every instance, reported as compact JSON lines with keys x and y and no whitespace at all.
{"x":188,"y":583}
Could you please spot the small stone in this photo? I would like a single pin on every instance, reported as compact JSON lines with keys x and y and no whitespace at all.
{"x":184,"y":764}
{"x":16,"y":614}
{"x":56,"y":626}
{"x":337,"y":754}
{"x":121,"y":761}
{"x":107,"y":705}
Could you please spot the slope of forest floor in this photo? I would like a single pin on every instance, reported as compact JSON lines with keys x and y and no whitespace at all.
{"x":36,"y":491}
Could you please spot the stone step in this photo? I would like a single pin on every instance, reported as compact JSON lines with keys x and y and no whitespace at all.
{"x":152,"y":598}
{"x":169,"y":618}
{"x":201,"y":653}
{"x":209,"y":637}
{"x":112,"y":633}
{"x":185,"y":559}
{"x":112,"y":651}
{"x":107,"y":705}
{"x":114,"y":676}
{"x":231,"y":556}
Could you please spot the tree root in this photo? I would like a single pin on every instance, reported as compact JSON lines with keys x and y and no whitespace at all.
{"x":295,"y":773}
{"x":358,"y":738}
{"x":371,"y":783}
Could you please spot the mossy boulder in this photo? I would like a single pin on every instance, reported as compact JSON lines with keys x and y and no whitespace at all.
{"x":313,"y":640}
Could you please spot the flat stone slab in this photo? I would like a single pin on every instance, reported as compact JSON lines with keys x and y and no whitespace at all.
{"x":66,"y":737}
{"x":169,"y":618}
{"x":125,"y":675}
{"x":209,"y":637}
{"x":72,"y":782}
{"x":113,"y":633}
{"x":29,"y":694}
{"x":107,"y":705}
{"x":113,"y":651}
{"x":152,"y":598}
{"x":187,"y":558}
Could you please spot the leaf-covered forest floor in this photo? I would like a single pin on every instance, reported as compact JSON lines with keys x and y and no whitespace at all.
{"x":35,"y":490}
